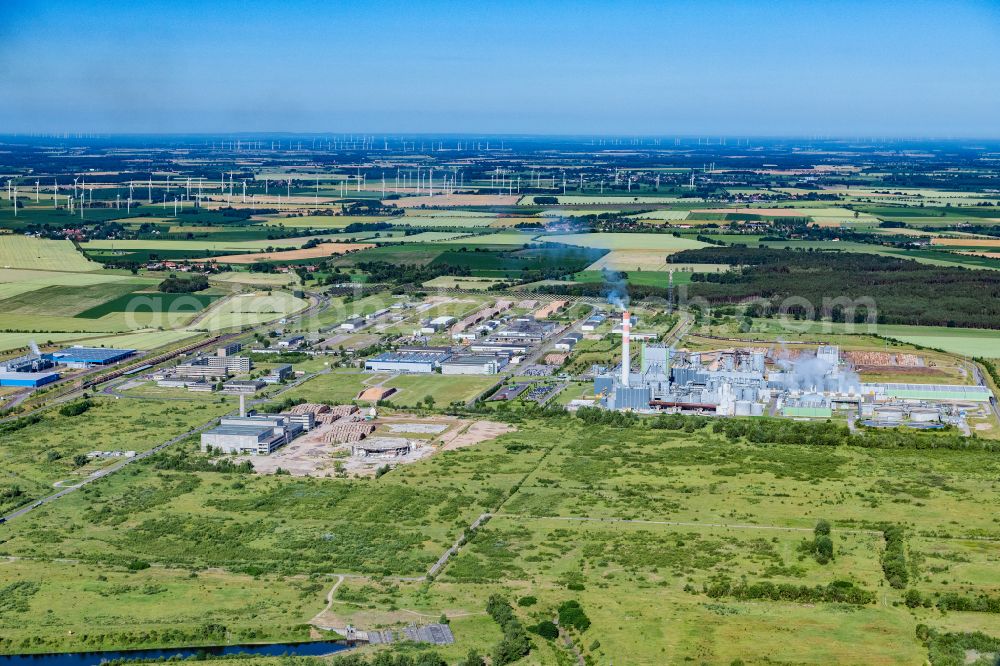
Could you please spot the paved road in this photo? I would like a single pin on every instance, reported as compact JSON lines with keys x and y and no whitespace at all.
{"x":982,"y":382}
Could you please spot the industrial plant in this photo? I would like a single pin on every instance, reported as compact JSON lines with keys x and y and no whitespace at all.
{"x":755,"y":382}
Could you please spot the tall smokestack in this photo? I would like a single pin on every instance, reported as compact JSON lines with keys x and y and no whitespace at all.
{"x":626,"y":354}
{"x":243,"y":405}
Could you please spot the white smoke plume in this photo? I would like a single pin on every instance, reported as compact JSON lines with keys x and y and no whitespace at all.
{"x":617,"y":288}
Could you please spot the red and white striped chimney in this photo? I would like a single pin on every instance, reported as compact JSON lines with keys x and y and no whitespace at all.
{"x":626,"y":353}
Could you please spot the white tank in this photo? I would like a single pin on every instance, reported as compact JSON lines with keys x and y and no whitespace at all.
{"x":924,"y":415}
{"x":743,"y":408}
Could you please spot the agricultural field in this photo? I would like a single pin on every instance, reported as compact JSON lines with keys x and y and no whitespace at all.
{"x":19,"y":281}
{"x":244,"y":278}
{"x":248,"y":309}
{"x":10,"y":341}
{"x":620,"y":241}
{"x":23,"y":252}
{"x":143,"y":340}
{"x":322,"y":250}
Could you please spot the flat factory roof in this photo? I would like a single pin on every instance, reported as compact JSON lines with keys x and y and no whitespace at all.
{"x":240,"y":430}
{"x":91,"y":354}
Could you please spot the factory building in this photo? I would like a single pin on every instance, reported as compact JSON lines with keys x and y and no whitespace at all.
{"x":354,"y":324}
{"x":731,"y":383}
{"x":230,"y":349}
{"x":291,"y":342}
{"x":568,"y":341}
{"x":33,"y":362}
{"x":237,"y":386}
{"x":436,"y":324}
{"x":523,"y":330}
{"x":87,"y":357}
{"x":481,"y":364}
{"x":592,"y":323}
{"x":415,"y":360}
{"x":215,"y":366}
{"x":257,"y":434}
{"x":509,"y":349}
{"x":27,"y":379}
{"x":189,"y":383}
{"x":279,"y":374}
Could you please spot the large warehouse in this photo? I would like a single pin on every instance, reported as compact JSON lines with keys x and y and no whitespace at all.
{"x":418,"y":360}
{"x":27,"y":379}
{"x":258,"y":434}
{"x":481,"y":364}
{"x":85,"y":357}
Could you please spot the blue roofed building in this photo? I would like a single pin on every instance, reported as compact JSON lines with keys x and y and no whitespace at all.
{"x":27,"y":379}
{"x":85,"y":357}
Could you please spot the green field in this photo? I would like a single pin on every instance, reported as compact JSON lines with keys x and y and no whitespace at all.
{"x":631,"y":522}
{"x":35,"y":457}
{"x":963,"y":341}
{"x":19,"y":281}
{"x":444,"y":390}
{"x":249,"y":309}
{"x":623,"y":241}
{"x":18,"y":251}
{"x":153,"y":302}
{"x":338,"y":387}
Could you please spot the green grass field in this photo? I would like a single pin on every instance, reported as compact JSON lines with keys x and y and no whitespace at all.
{"x":631,"y":523}
{"x":444,"y":390}
{"x":623,"y":241}
{"x":249,"y":309}
{"x":35,"y":457}
{"x":18,"y":251}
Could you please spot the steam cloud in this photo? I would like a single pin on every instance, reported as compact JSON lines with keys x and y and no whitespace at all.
{"x":808,"y":372}
{"x":617,"y":288}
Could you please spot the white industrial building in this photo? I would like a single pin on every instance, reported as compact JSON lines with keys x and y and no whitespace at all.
{"x":568,"y":341}
{"x":215,"y":366}
{"x":257,"y":434}
{"x":354,"y":324}
{"x":481,"y":364}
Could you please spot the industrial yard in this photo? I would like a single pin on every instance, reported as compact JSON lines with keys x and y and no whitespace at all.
{"x":454,"y":407}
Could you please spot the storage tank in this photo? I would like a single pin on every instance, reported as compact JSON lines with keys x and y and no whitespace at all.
{"x":757,"y":409}
{"x":889,"y":414}
{"x":743,"y":408}
{"x":924,"y":415}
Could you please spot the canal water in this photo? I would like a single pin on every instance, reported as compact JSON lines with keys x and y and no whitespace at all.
{"x":311,"y":649}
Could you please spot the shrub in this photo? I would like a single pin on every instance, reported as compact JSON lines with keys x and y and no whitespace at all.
{"x":76,"y":407}
{"x":571,"y":615}
{"x":546,"y":629}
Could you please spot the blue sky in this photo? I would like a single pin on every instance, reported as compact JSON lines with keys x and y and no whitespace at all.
{"x":904,"y":68}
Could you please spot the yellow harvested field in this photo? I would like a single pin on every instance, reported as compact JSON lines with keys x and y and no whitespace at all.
{"x":649,"y":260}
{"x":988,"y":255}
{"x":967,"y":242}
{"x":264,"y":279}
{"x":322,"y":250}
{"x":443,"y":200}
